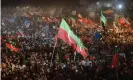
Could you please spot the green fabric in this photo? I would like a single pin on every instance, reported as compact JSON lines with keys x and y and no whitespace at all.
{"x":66,"y":27}
{"x":103,"y":19}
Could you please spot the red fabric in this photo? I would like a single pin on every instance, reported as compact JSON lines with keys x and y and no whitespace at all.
{"x":122,"y":21}
{"x":62,"y":34}
{"x":12,"y":47}
{"x":84,"y":20}
{"x":114,"y":61}
{"x":83,"y":52}
{"x":90,"y":21}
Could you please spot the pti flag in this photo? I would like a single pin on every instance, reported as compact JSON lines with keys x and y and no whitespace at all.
{"x":66,"y":34}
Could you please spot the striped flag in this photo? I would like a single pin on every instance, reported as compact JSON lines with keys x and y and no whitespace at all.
{"x":70,"y":38}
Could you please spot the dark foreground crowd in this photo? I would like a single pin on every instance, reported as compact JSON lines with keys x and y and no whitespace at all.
{"x":33,"y":35}
{"x":38,"y":66}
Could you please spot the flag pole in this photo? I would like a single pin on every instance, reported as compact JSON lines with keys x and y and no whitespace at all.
{"x":53,"y":52}
{"x":74,"y":56}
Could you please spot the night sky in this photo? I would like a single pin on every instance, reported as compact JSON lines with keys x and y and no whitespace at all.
{"x":37,"y":2}
{"x":41,"y":2}
{"x":128,"y":3}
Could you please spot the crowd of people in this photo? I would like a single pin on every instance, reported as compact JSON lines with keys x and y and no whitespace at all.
{"x":30,"y":30}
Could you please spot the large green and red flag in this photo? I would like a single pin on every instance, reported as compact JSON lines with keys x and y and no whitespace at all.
{"x":12,"y":48}
{"x":66,"y":34}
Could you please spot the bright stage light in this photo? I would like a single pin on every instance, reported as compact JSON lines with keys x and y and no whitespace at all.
{"x":120,"y":6}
